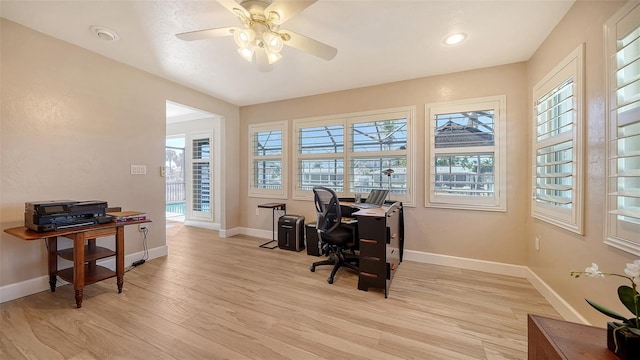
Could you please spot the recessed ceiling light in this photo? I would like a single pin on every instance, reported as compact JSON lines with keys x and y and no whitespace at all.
{"x":454,"y":39}
{"x":104,"y":33}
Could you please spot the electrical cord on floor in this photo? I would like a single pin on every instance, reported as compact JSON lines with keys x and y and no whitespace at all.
{"x":145,"y":253}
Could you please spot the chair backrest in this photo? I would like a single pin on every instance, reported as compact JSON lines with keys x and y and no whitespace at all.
{"x":327,"y":208}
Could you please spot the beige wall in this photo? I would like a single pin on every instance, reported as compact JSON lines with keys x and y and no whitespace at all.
{"x":560,"y":250}
{"x":469,"y":234}
{"x":72,"y":124}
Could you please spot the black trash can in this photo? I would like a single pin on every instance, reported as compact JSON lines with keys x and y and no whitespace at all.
{"x":291,"y":232}
{"x":313,"y":245}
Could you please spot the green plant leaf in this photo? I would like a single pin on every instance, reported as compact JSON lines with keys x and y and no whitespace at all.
{"x":604,"y":310}
{"x":634,"y":330}
{"x":627,"y":297}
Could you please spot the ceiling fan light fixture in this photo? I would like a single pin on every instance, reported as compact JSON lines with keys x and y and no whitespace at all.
{"x":246,"y":53}
{"x":273,"y":42}
{"x":244,"y":37}
{"x":272,"y":57}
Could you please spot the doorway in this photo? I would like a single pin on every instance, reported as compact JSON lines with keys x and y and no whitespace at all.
{"x":192,"y":169}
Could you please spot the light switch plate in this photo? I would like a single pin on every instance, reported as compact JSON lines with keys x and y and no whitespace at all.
{"x":138,"y":169}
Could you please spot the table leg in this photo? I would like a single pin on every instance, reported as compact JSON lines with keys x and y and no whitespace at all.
{"x":52,"y":245}
{"x":78,"y":267}
{"x":120,"y":258}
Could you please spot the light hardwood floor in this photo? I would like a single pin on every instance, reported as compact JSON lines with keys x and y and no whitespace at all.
{"x":215,"y":298}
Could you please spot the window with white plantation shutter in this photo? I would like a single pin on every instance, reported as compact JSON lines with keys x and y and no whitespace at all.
{"x":201,"y":181}
{"x":268,"y":160}
{"x":557,"y":145}
{"x":378,"y":154}
{"x":320,"y":156}
{"x":467,"y":160}
{"x":622,"y":46}
{"x":355,"y":153}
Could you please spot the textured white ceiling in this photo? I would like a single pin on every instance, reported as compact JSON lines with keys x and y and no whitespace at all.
{"x":378,"y":41}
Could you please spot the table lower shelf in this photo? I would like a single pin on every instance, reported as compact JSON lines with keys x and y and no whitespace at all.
{"x":90,"y":253}
{"x":91,"y":274}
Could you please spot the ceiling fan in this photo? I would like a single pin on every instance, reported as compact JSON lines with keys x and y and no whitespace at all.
{"x":260,"y":34}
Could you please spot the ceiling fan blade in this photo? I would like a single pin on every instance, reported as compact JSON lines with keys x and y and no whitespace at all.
{"x":310,"y":46}
{"x":235,"y":8}
{"x":206,"y":34}
{"x":262,"y":61}
{"x":286,"y":9}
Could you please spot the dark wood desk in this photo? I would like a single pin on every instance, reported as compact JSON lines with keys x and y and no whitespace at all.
{"x":550,"y":339}
{"x":84,"y":254}
{"x":381,"y":245}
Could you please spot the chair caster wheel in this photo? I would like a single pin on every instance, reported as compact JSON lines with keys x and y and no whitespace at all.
{"x":312,"y":268}
{"x":330,"y":280}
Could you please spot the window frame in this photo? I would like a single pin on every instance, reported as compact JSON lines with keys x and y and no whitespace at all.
{"x":346,"y":121}
{"x":571,"y":67}
{"x":619,"y":233}
{"x":498,"y":202}
{"x":254,"y":129}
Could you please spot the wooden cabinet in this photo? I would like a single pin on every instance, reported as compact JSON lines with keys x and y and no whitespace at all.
{"x":550,"y":339}
{"x":381,"y":233}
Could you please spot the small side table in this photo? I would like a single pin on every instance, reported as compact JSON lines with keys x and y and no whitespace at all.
{"x":551,"y":339}
{"x":273,"y":207}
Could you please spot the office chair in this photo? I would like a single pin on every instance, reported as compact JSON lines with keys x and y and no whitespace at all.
{"x":336,"y":238}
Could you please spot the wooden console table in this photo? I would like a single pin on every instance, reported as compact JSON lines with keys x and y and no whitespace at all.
{"x":550,"y":339}
{"x":84,"y":254}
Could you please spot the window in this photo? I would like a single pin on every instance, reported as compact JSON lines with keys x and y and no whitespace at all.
{"x":267,"y":164}
{"x":622,"y":47}
{"x":355,"y":153}
{"x":466,"y":168}
{"x":175,"y":186}
{"x":557,"y":146}
{"x":201,"y":181}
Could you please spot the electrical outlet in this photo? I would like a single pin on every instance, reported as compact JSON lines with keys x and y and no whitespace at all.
{"x":257,"y":211}
{"x":143,"y":227}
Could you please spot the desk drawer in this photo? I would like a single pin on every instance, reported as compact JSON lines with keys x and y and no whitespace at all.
{"x":373,"y":266}
{"x":375,"y":248}
{"x":372,"y":227}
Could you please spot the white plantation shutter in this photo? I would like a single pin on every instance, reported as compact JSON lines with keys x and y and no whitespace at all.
{"x":375,"y":147}
{"x":201,"y":180}
{"x":267,"y":160}
{"x":349,"y":153}
{"x":466,"y":156}
{"x":320,"y":159}
{"x":557,"y":146}
{"x":623,"y":131}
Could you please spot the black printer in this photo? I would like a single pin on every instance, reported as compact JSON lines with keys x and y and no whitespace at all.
{"x":63,"y":214}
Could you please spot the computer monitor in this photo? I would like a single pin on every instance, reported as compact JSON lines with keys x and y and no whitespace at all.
{"x":377,"y":197}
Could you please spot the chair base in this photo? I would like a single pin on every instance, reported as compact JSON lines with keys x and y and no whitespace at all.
{"x":338,"y":260}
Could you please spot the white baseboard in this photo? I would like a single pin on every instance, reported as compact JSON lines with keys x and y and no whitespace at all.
{"x":466,"y":263}
{"x":229,"y":233}
{"x":202,"y":224}
{"x":35,"y":285}
{"x":557,"y":302}
{"x":265,"y":234}
{"x":567,"y":311}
